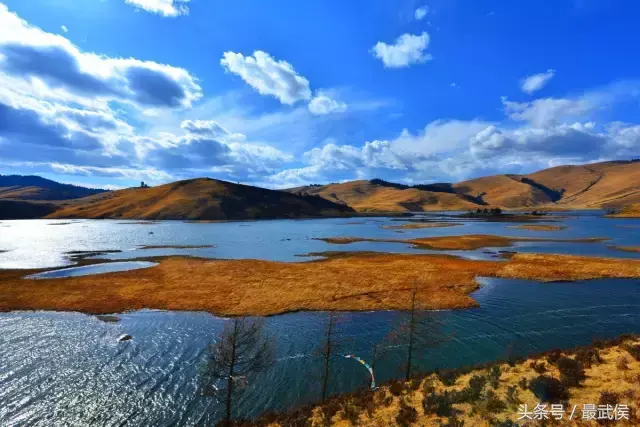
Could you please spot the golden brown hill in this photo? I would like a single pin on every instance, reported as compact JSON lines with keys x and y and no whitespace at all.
{"x":19,"y":187}
{"x":598,"y":185}
{"x":503,"y":190}
{"x":378,"y":196}
{"x":200,"y":199}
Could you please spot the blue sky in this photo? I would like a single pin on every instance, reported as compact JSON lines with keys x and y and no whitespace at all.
{"x":284,"y":93}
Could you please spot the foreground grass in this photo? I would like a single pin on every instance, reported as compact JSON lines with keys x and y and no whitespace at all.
{"x":490,"y":395}
{"x":344,"y":282}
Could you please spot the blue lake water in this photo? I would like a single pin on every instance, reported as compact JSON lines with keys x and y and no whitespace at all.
{"x":44,"y":243}
{"x":87,"y":270}
{"x":70,"y":369}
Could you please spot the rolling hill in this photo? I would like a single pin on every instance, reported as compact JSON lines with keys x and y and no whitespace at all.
{"x":600,"y":185}
{"x":201,"y":199}
{"x":19,"y":187}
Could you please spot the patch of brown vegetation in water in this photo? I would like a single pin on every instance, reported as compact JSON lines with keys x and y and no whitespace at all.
{"x":460,"y":243}
{"x":252,"y":287}
{"x":417,"y":225}
{"x":539,"y":227}
{"x":625,"y":248}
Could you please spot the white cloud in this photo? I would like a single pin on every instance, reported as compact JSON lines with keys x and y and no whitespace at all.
{"x":546,"y":111}
{"x":421,"y":12}
{"x":268,"y":76}
{"x":64,"y":28}
{"x":167,"y":8}
{"x":536,"y":82}
{"x":210,"y":129}
{"x":322,"y":104}
{"x":47,"y":64}
{"x":408,"y":49}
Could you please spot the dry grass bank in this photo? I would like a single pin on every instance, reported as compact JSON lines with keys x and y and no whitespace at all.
{"x":460,"y":243}
{"x":611,"y":375}
{"x":251,"y":287}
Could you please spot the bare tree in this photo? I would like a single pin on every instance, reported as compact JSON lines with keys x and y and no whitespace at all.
{"x":242,"y":349}
{"x":418,"y":330}
{"x":333,"y":345}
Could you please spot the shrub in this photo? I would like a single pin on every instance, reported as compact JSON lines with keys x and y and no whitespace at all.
{"x":492,"y":403}
{"x":548,"y":389}
{"x":414,"y":384}
{"x":494,"y":376}
{"x":448,"y":377}
{"x":396,"y":388}
{"x":476,"y":385}
{"x":512,"y":396}
{"x":439,"y":404}
{"x":588,"y":357}
{"x":407,"y":415}
{"x":428,"y":387}
{"x":351,"y":412}
{"x":608,"y":398}
{"x":330,"y":409}
{"x":622,"y":363}
{"x":571,"y":371}
{"x":633,"y":350}
{"x":523,"y":383}
{"x":553,"y":356}
{"x":539,"y":367}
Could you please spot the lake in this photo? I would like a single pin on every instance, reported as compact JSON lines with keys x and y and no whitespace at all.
{"x":70,"y":369}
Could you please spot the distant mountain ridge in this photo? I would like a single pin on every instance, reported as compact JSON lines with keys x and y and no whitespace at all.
{"x":32,"y":187}
{"x":613,"y":184}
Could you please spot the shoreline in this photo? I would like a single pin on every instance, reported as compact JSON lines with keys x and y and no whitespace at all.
{"x":342,"y":282}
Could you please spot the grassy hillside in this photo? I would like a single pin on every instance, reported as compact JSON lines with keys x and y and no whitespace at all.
{"x":380,"y":196}
{"x":598,"y":185}
{"x":18,"y":187}
{"x":491,"y":395}
{"x":200,"y":199}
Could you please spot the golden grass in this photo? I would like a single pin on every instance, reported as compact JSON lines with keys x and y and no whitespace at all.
{"x":418,"y":225}
{"x":605,"y":376}
{"x":252,"y":287}
{"x":539,"y":227}
{"x":460,"y":243}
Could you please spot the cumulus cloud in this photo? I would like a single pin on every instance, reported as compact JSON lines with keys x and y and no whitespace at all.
{"x":52,"y":60}
{"x":268,"y":76}
{"x":421,"y":12}
{"x":167,"y":8}
{"x":322,"y":104}
{"x":408,"y":49}
{"x":547,"y":111}
{"x":536,"y":82}
{"x":209,"y":128}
